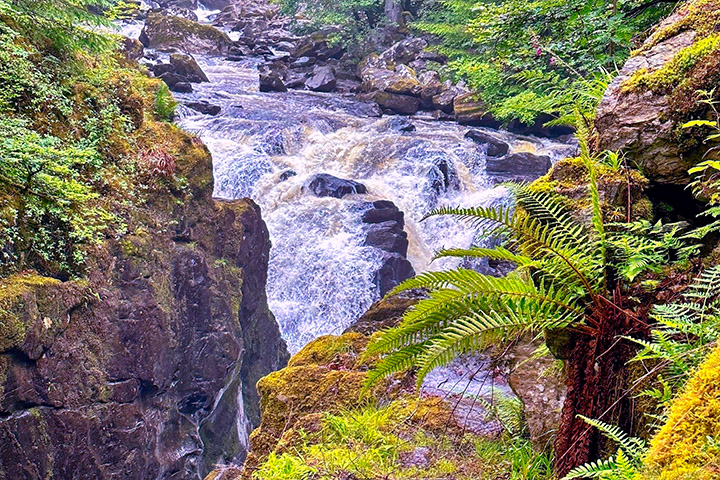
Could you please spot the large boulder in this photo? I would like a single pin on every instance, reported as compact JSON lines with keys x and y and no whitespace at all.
{"x":325,"y":185}
{"x":402,"y":80}
{"x":656,"y":92}
{"x":394,"y":102}
{"x":385,"y":225}
{"x":521,"y":166}
{"x":147,"y":367}
{"x":166,"y":32}
{"x":403,"y":52}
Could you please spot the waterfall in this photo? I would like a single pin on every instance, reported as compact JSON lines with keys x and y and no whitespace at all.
{"x":268,"y":145}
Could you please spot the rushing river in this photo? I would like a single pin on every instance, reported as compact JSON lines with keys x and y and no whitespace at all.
{"x":267,"y":145}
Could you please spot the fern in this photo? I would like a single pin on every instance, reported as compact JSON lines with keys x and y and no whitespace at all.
{"x":624,"y":465}
{"x":685,"y":332}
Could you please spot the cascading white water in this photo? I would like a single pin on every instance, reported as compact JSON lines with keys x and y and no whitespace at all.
{"x":267,"y":146}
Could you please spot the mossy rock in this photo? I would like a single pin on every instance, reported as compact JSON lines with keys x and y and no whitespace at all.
{"x":569,"y":178}
{"x":293,"y":391}
{"x":34,"y":309}
{"x":658,"y":90}
{"x":331,"y":349}
{"x":686,"y":447}
{"x":165,"y":32}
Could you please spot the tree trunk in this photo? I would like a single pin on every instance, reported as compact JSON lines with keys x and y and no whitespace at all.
{"x":596,"y":388}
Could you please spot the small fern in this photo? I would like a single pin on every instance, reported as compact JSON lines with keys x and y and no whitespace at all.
{"x":624,"y":465}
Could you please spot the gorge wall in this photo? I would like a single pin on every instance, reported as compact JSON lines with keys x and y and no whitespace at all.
{"x":147,"y":368}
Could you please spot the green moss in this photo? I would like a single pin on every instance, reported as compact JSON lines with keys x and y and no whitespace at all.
{"x":676,"y":70}
{"x":330,"y":348}
{"x":701,"y":16}
{"x":13,"y":293}
{"x":397,"y":441}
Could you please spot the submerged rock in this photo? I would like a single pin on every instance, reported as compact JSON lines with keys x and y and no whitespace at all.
{"x":204,"y":107}
{"x":324,"y":185}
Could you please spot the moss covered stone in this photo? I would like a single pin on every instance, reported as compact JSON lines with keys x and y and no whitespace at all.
{"x":167,"y":32}
{"x":688,"y":445}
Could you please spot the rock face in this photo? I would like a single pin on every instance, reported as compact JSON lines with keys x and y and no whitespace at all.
{"x":642,"y":116}
{"x":142,"y":371}
{"x":166,"y":32}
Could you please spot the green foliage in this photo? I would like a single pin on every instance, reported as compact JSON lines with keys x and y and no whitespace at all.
{"x":565,"y":269}
{"x":531,"y":57}
{"x":624,"y":465}
{"x":68,"y":24}
{"x":349,"y":20}
{"x":55,"y":218}
{"x":165,"y":104}
{"x":686,"y":331}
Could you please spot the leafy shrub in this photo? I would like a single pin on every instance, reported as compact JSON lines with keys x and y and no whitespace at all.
{"x":496,"y":45}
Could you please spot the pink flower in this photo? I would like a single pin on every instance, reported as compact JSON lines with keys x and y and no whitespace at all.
{"x":538,"y":51}
{"x":552,"y":61}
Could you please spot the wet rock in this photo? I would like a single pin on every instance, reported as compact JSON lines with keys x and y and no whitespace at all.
{"x":303,"y":62}
{"x":161,"y":69}
{"x":204,"y":107}
{"x":324,"y":185}
{"x":181,"y":87}
{"x":402,"y":80}
{"x":444,"y":100}
{"x":388,"y":236}
{"x":188,"y":68}
{"x":395,"y":269}
{"x":287,"y":174}
{"x":115,"y":376}
{"x":272,"y":82}
{"x":401,"y":125}
{"x":471,"y":110}
{"x":132,"y":48}
{"x":385,"y":313}
{"x":384,"y":211}
{"x":322,"y":80}
{"x":165,"y":32}
{"x":430,"y":85}
{"x":385,"y":231}
{"x":520,"y":166}
{"x":396,"y":103}
{"x":181,"y":12}
{"x":171,"y":79}
{"x":495,"y":147}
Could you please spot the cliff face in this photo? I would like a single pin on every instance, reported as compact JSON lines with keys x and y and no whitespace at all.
{"x":147,"y":368}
